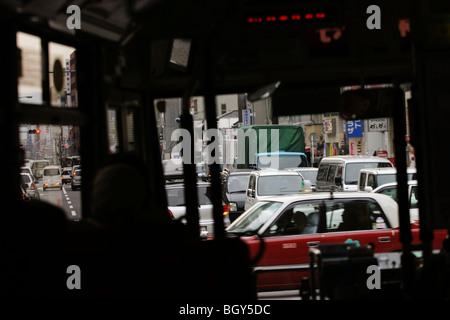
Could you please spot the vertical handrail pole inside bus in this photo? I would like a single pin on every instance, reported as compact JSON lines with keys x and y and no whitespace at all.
{"x":402,"y":189}
{"x":189,"y":172}
{"x":211,"y":120}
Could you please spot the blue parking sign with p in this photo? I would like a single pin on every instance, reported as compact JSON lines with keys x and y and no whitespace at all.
{"x":354,"y":129}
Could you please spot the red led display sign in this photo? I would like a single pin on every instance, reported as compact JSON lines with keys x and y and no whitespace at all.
{"x":290,"y":17}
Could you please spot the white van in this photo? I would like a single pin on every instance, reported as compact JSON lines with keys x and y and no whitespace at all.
{"x":269,"y":182}
{"x":342,"y":172}
{"x":370,"y":179}
{"x":51,"y":177}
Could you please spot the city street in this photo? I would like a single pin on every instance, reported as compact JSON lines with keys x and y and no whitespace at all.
{"x":68,"y":200}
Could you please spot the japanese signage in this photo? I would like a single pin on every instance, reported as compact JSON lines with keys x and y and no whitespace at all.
{"x":329,"y":125}
{"x":354,"y":129}
{"x":68,"y":84}
{"x":356,"y":146}
{"x":246,"y":117}
{"x":380,"y":124}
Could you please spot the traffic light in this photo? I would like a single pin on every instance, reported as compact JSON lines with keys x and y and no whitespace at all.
{"x":34,"y":131}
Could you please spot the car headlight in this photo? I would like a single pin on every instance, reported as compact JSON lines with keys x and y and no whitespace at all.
{"x":233,"y":206}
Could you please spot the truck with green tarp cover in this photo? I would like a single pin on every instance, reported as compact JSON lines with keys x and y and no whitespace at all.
{"x":257,"y":143}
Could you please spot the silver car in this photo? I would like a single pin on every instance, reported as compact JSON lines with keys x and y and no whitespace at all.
{"x":177,"y":206}
{"x":32,"y":191}
{"x":76,"y":180}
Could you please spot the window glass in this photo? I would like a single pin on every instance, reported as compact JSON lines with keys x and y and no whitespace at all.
{"x":113,"y":134}
{"x":30,"y":73}
{"x":279,"y":184}
{"x":371,"y":181}
{"x":175,"y":196}
{"x":204,"y":195}
{"x":309,"y":175}
{"x":63,"y":76}
{"x":352,"y":170}
{"x":413,"y":198}
{"x":391,"y":192}
{"x":256,"y":217}
{"x":362,"y":180}
{"x":237,"y":183}
{"x":301,"y":218}
{"x":51,"y":172}
{"x":322,"y":173}
{"x":354,"y":215}
{"x":331,"y":173}
{"x":252,"y":183}
{"x":386,"y":178}
{"x":57,"y":145}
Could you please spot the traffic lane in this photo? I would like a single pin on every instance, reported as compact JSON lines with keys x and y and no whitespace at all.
{"x":71,"y":203}
{"x":52,"y":196}
{"x":66,"y":199}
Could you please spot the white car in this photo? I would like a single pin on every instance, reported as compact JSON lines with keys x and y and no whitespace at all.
{"x":308,"y":173}
{"x":51,"y":177}
{"x":27,"y":179}
{"x":290,"y":225}
{"x":342,"y":172}
{"x":264,"y":183}
{"x":390,"y":189}
{"x":66,"y":175}
{"x":177,"y":206}
{"x":371,"y":178}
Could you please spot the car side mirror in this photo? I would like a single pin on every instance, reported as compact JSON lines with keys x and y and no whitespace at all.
{"x":368,"y":189}
{"x":250,"y":193}
{"x":338,"y":181}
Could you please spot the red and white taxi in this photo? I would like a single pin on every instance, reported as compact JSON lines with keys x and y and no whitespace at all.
{"x":290,"y":225}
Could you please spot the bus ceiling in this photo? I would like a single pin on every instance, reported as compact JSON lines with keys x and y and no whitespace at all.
{"x":250,"y":43}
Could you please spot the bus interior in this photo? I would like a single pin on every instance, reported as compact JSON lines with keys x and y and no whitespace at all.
{"x":128,"y":57}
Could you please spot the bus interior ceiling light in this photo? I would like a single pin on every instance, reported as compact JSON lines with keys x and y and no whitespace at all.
{"x":263,"y":92}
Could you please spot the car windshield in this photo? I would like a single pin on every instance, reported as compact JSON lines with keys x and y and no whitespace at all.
{"x":279,"y":184}
{"x":238,"y":183}
{"x":255,"y":217}
{"x":386,"y":178}
{"x":284,"y":161}
{"x":25,"y":178}
{"x":175,"y":196}
{"x":51,"y":172}
{"x":309,"y":175}
{"x":352,"y":170}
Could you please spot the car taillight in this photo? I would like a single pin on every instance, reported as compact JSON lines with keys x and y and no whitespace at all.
{"x":226,"y":209}
{"x":32,"y":186}
{"x":171,"y":214}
